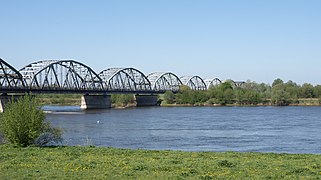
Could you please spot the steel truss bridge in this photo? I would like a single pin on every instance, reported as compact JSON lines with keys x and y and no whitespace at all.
{"x":70,"y":76}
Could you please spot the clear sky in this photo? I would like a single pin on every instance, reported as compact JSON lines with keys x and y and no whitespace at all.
{"x":258,"y":40}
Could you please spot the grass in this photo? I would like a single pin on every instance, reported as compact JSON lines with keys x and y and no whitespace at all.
{"x":111,"y":163}
{"x":59,"y":99}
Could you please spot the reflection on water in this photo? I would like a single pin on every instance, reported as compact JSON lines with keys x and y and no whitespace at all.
{"x":262,"y":129}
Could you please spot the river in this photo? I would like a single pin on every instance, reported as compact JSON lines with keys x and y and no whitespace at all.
{"x":244,"y":129}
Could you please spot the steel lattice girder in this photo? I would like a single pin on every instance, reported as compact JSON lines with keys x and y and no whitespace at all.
{"x":9,"y":76}
{"x":164,"y":81}
{"x":61,"y":75}
{"x":194,"y":82}
{"x":235,"y":83}
{"x":212,"y":82}
{"x":125,"y":79}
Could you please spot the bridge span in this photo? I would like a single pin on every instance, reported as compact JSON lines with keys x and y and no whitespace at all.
{"x":70,"y":76}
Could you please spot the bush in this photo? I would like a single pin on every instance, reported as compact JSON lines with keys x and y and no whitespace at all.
{"x":23,"y":123}
{"x":122,"y":99}
{"x":280,"y":98}
{"x":169,"y":97}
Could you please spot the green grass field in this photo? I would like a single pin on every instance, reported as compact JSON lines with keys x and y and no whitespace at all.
{"x":111,"y":163}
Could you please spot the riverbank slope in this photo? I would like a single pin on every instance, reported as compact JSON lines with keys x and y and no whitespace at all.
{"x":112,"y":163}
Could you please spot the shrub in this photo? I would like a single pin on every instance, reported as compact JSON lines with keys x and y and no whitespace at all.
{"x":122,"y":99}
{"x":169,"y":97}
{"x":280,"y":96}
{"x":23,"y":123}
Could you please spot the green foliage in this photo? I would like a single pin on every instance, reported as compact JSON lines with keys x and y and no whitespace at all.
{"x":280,"y":96}
{"x":188,"y":96}
{"x":317,"y":91}
{"x":252,"y":93}
{"x":222,"y":94}
{"x":111,"y":163}
{"x":122,"y":99}
{"x":59,"y":99}
{"x":169,"y":97}
{"x":23,"y":122}
{"x":184,"y":95}
{"x":2,"y":139}
{"x":277,"y":82}
{"x":248,"y":97}
{"x":307,"y":91}
{"x":226,"y":86}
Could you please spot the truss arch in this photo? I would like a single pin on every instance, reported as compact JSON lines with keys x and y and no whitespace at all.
{"x":194,"y":82}
{"x":125,"y":79}
{"x":164,"y":81}
{"x":212,"y":82}
{"x":9,"y":76}
{"x":61,"y":75}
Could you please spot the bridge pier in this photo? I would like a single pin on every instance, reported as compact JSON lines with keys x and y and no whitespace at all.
{"x":5,"y":99}
{"x":95,"y":102}
{"x":146,"y":100}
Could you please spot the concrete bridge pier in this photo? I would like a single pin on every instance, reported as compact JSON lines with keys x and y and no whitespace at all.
{"x":146,"y":100}
{"x":5,"y":99}
{"x":95,"y":102}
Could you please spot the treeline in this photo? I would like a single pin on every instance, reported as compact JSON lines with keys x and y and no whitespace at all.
{"x":250,"y":93}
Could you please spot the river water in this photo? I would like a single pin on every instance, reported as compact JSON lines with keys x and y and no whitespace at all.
{"x":245,"y":129}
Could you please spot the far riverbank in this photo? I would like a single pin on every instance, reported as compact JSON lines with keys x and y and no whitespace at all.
{"x":75,"y":100}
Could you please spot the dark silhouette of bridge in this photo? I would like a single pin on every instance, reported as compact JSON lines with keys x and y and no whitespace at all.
{"x":69,"y":76}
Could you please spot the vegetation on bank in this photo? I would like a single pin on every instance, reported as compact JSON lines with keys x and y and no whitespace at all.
{"x":58,"y":99}
{"x":251,"y":93}
{"x":117,"y":100}
{"x":122,"y":100}
{"x":23,"y":124}
{"x":111,"y":163}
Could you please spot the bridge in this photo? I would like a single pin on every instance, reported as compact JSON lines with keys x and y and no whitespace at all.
{"x":70,"y":76}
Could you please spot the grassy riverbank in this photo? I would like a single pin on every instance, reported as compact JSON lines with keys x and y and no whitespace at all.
{"x":111,"y":163}
{"x":59,"y":99}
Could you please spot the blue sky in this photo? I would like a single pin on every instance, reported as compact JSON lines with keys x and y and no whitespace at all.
{"x":231,"y":39}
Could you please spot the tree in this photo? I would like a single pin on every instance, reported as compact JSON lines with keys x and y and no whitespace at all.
{"x":253,"y":97}
{"x":239,"y":96}
{"x":307,"y":91}
{"x":247,"y":96}
{"x":228,"y":96}
{"x":169,"y":97}
{"x":265,"y":92}
{"x":23,"y":123}
{"x":293,"y":89}
{"x":225,"y":86}
{"x":225,"y":93}
{"x":317,"y":91}
{"x":122,"y":99}
{"x":277,"y":81}
{"x":184,"y":95}
{"x":199,"y":96}
{"x":279,"y":96}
